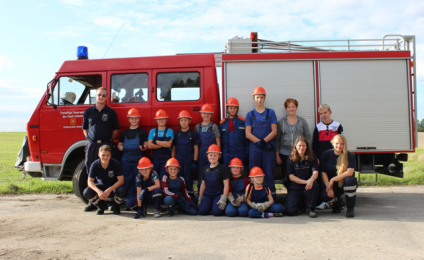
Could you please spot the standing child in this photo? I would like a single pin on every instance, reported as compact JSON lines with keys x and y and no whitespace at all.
{"x":186,"y":150}
{"x":233,"y":135}
{"x":175,"y":191}
{"x":160,"y":141}
{"x":215,"y":185}
{"x":238,"y":184}
{"x":148,"y":189}
{"x":261,"y":128}
{"x":208,"y":134}
{"x":325,"y":131}
{"x":109,"y":180}
{"x":132,"y":144}
{"x":259,"y":197}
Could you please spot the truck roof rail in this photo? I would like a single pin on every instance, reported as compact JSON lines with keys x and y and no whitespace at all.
{"x":392,"y":42}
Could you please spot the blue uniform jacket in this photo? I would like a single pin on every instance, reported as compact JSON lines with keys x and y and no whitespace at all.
{"x":242,"y":143}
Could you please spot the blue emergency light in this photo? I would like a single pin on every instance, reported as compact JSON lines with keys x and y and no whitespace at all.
{"x":82,"y":53}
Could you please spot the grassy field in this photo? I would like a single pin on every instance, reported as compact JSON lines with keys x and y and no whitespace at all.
{"x":11,"y":181}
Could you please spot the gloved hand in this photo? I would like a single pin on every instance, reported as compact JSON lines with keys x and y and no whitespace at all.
{"x":259,"y":144}
{"x":231,"y":199}
{"x":222,"y":202}
{"x":269,"y":147}
{"x":266,"y":205}
{"x":141,"y":196}
{"x":199,"y":200}
{"x":145,"y":190}
{"x":140,"y":212}
{"x":239,"y":200}
{"x":260,"y":207}
{"x":253,"y":205}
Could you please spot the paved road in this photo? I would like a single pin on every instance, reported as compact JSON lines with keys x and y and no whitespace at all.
{"x":388,"y":225}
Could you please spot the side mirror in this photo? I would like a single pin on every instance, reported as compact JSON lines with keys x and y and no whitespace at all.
{"x":49,"y":93}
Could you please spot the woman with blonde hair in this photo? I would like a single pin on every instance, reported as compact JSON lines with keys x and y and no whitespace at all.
{"x":338,"y":174}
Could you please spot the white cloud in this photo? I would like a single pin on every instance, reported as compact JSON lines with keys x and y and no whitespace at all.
{"x":5,"y":61}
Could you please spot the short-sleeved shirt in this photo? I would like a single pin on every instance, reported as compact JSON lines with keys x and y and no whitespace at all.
{"x":205,"y":128}
{"x":194,"y":138}
{"x":328,"y":162}
{"x":223,"y":173}
{"x":100,"y":124}
{"x":303,"y":170}
{"x":261,"y":116}
{"x":139,"y":179}
{"x":133,"y":133}
{"x":106,"y":176}
{"x":161,"y":133}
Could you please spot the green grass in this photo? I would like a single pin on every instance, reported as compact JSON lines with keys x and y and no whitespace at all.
{"x":11,"y":181}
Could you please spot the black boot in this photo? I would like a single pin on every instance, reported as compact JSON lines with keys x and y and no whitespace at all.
{"x":350,"y":212}
{"x":116,"y":209}
{"x":101,"y":207}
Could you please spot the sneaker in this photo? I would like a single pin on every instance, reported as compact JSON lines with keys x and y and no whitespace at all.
{"x":277,"y":214}
{"x":156,"y":213}
{"x":323,"y":205}
{"x":350,"y":212}
{"x":312,"y":213}
{"x":336,"y":210}
{"x":90,"y":207}
{"x":116,"y":209}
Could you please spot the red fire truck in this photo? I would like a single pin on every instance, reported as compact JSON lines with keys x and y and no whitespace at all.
{"x":369,"y":84}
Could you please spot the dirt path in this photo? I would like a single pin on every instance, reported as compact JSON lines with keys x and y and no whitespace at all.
{"x":388,"y":225}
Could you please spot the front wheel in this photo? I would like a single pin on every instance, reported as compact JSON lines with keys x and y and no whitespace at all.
{"x":80,"y":181}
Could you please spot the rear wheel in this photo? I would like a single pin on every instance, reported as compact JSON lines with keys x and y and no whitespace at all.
{"x":80,"y":181}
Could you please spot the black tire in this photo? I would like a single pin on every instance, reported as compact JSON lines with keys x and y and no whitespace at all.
{"x":80,"y":181}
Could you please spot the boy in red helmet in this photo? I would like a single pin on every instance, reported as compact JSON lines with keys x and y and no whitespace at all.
{"x":234,"y":143}
{"x":160,"y":142}
{"x":215,"y":185}
{"x":148,"y":190}
{"x":261,"y":129}
{"x":208,"y":134}
{"x":132,"y":144}
{"x":174,"y":189}
{"x":186,"y":150}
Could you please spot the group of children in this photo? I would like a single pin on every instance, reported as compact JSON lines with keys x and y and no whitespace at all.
{"x":208,"y":152}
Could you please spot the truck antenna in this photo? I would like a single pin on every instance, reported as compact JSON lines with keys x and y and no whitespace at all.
{"x":113,"y":39}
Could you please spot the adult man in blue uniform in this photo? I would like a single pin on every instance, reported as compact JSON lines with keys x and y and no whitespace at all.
{"x":100,"y":126}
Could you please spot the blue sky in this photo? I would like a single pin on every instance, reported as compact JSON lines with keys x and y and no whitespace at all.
{"x":37,"y":36}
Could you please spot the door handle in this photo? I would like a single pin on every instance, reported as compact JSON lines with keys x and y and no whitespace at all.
{"x":196,"y":109}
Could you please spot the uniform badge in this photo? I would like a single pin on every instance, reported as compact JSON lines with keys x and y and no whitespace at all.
{"x":104,"y":117}
{"x":73,"y":121}
{"x":334,"y":128}
{"x":110,"y":174}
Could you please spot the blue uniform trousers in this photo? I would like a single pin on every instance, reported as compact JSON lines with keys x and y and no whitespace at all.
{"x":274,"y":208}
{"x":348,"y":189}
{"x":295,"y":199}
{"x":242,"y":210}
